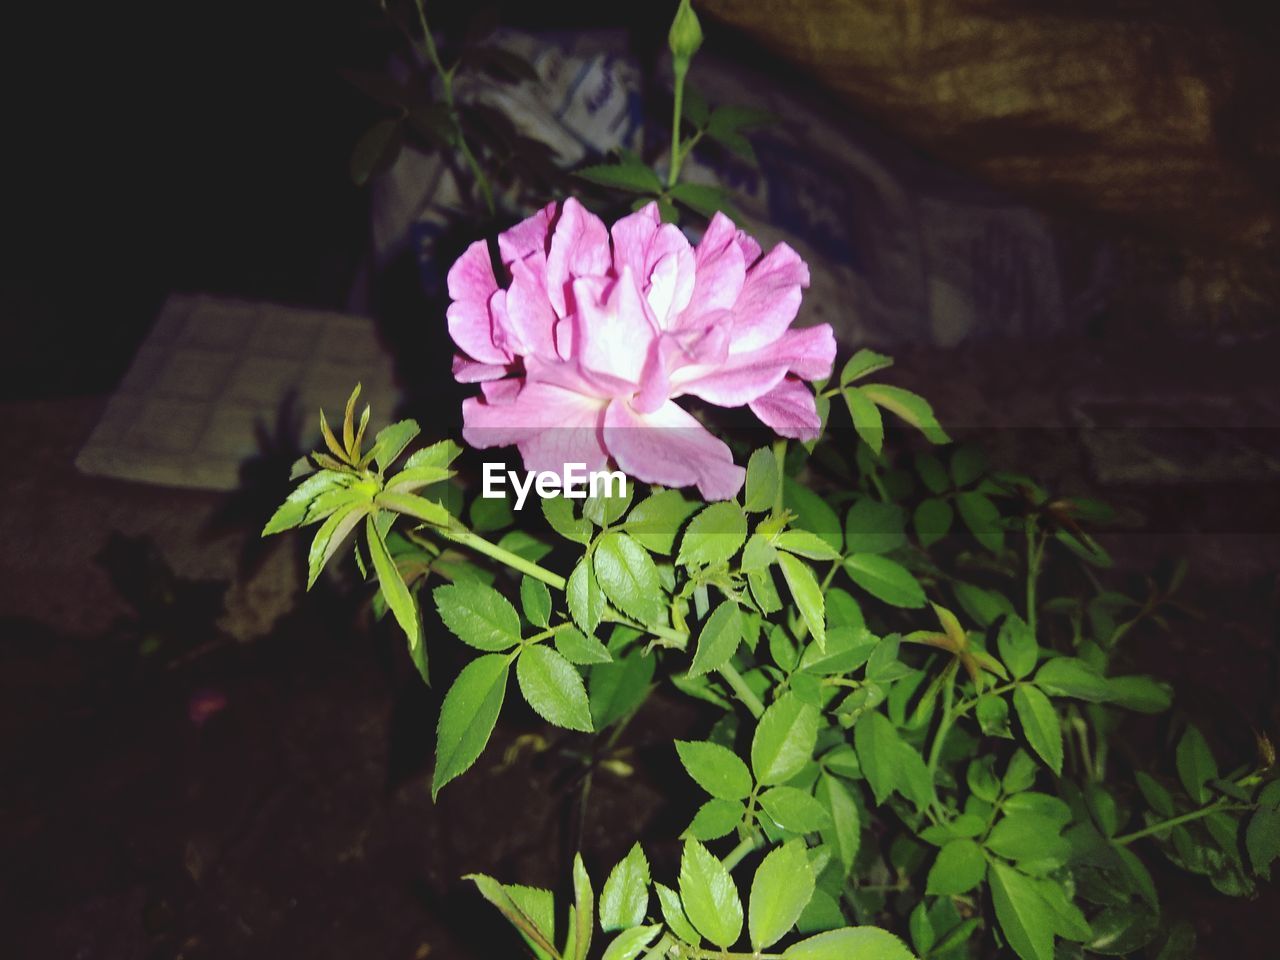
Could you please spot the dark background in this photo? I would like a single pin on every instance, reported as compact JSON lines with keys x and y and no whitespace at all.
{"x":165,"y":147}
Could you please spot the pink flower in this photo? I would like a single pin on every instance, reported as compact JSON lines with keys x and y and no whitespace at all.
{"x":582,"y":356}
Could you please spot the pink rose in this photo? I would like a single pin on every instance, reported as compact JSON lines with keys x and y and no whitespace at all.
{"x":581,"y":358}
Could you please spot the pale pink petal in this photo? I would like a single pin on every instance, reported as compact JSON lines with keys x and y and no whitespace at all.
{"x":529,"y":313}
{"x":660,"y":257}
{"x":720,"y":270}
{"x":498,"y":392}
{"x":466,"y":370}
{"x":527,"y":237}
{"x":614,"y":327}
{"x":472,"y":287}
{"x":742,"y":377}
{"x":550,"y":425}
{"x":750,"y":248}
{"x":789,"y":410}
{"x":670,"y":447}
{"x":579,"y":248}
{"x":769,"y":299}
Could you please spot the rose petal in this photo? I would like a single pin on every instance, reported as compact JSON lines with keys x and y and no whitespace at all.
{"x":769,"y":299}
{"x":720,"y":270}
{"x":579,"y":248}
{"x":789,"y":410}
{"x":670,"y":447}
{"x":614,"y":327}
{"x":551,"y":426}
{"x":528,"y":236}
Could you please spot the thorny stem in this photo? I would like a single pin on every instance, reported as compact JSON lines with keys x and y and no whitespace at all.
{"x":1035,"y":550}
{"x":948,"y":717}
{"x":446,"y":85}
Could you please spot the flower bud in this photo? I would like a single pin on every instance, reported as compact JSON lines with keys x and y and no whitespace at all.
{"x":686,"y":33}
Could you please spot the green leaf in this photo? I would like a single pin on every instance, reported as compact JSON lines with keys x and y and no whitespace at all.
{"x":845,"y":833}
{"x":559,"y":513}
{"x":715,"y":819}
{"x":780,"y":891}
{"x":577,"y":647}
{"x":850,"y":943}
{"x":673,"y":915}
{"x":1025,"y":836}
{"x":478,"y":615}
{"x":620,"y":687}
{"x":703,"y":199}
{"x":863,"y":363}
{"x":714,"y":535}
{"x":718,"y":770}
{"x":624,"y":901}
{"x":394,"y":591}
{"x":584,"y":912}
{"x":1039,"y":725}
{"x":866,"y":418}
{"x":718,"y":640}
{"x":1025,"y":918}
{"x":1021,"y":772}
{"x":391,"y":441}
{"x":1139,"y":875}
{"x":585,"y":598}
{"x":1140,"y":693}
{"x":1042,"y":805}
{"x":912,"y":408}
{"x":993,"y":715}
{"x":626,"y":573}
{"x":467,"y":716}
{"x":982,"y":518}
{"x":958,"y":869}
{"x":656,"y":520}
{"x":763,"y":481}
{"x":304,"y":503}
{"x":331,"y":535}
{"x":709,"y":897}
{"x":535,"y":599}
{"x":529,"y":910}
{"x":1072,"y":677}
{"x":553,"y":688}
{"x":490,"y":513}
{"x":1155,"y":794}
{"x":1196,"y":766}
{"x":1018,"y":647}
{"x":874,"y":527}
{"x":807,"y":595}
{"x":608,"y":506}
{"x":795,"y":810}
{"x":967,"y":465}
{"x":877,"y":743}
{"x":631,"y":177}
{"x":375,"y":149}
{"x":885,"y":579}
{"x":1262,"y":835}
{"x":784,"y":740}
{"x":627,"y":945}
{"x":805,"y":544}
{"x":813,"y":513}
{"x":932,"y":521}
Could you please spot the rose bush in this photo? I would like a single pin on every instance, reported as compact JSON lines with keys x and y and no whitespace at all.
{"x":582,"y":356}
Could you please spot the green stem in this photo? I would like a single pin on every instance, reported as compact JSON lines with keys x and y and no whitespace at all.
{"x":466,"y":538}
{"x":752,"y":841}
{"x":681,"y":68}
{"x":446,"y":85}
{"x":1215,"y":807}
{"x":1034,"y":551}
{"x":964,"y":706}
{"x":944,"y":725}
{"x":744,"y":693}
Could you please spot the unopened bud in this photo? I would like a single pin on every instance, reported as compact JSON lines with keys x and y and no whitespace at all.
{"x":686,"y":33}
